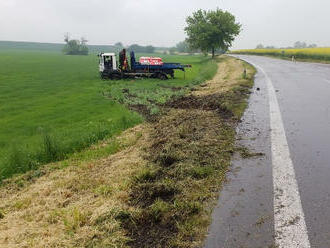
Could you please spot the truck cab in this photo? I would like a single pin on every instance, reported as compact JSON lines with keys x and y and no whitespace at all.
{"x":107,"y":63}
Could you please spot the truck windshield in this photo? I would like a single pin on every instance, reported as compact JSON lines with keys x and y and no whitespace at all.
{"x":108,"y":62}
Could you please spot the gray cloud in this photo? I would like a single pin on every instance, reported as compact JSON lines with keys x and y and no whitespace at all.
{"x":161,"y":23}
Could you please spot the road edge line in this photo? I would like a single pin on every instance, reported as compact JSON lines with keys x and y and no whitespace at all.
{"x":289,"y":219}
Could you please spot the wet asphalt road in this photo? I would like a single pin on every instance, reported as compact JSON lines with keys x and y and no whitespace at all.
{"x":244,"y":216}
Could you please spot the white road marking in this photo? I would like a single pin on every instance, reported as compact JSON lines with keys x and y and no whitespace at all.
{"x":289,"y":219}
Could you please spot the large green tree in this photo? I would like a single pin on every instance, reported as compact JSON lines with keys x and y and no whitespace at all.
{"x":211,"y":30}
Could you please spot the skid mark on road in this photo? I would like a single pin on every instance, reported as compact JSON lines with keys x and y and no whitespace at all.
{"x":289,"y":219}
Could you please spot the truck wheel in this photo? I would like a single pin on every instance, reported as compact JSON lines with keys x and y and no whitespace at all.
{"x":154,"y":75}
{"x":116,"y":76}
{"x":103,"y":76}
{"x":162,"y":76}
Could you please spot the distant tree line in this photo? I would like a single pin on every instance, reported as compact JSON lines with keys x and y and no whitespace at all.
{"x":184,"y":47}
{"x":135,"y":47}
{"x":141,"y":49}
{"x":300,"y":44}
{"x":296,"y":45}
{"x":75,"y":47}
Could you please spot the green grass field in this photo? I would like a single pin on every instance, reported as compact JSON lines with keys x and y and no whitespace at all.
{"x":52,"y":105}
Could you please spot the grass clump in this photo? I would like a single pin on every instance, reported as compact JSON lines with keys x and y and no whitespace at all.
{"x":145,"y":175}
{"x":158,"y":210}
{"x":75,"y":219}
{"x":246,"y":153}
{"x":51,"y":150}
{"x":104,"y":190}
{"x":199,"y":172}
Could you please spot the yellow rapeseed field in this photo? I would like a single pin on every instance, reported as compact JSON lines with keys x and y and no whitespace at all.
{"x":319,"y":53}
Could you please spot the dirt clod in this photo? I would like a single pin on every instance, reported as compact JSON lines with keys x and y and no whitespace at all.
{"x":213,"y":102}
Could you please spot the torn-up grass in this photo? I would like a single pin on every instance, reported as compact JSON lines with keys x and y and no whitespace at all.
{"x":188,"y":154}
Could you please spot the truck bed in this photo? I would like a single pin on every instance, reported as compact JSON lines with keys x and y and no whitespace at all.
{"x":165,"y":66}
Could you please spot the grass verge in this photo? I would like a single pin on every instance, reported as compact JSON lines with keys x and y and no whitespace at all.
{"x":188,"y":154}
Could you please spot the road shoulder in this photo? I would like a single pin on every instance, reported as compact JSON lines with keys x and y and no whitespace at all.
{"x":244,"y":214}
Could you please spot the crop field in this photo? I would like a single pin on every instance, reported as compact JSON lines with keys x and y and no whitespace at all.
{"x":322,"y":54}
{"x":52,"y":105}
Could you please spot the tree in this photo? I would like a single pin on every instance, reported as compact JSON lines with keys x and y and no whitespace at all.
{"x":182,"y":47}
{"x":117,"y":47}
{"x":75,"y":47}
{"x":66,"y":37}
{"x":172,"y":50}
{"x":136,"y":48}
{"x":210,"y":30}
{"x":149,"y":49}
{"x":141,"y":49}
{"x":312,"y":46}
{"x":119,"y":44}
{"x":260,"y":46}
{"x":83,"y":49}
{"x":300,"y":44}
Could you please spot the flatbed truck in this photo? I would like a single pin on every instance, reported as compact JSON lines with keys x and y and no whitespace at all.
{"x":109,"y":68}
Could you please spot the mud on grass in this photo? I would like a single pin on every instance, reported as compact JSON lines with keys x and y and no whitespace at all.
{"x":188,"y":153}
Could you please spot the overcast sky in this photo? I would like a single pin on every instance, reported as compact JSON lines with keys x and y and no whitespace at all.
{"x":160,"y":22}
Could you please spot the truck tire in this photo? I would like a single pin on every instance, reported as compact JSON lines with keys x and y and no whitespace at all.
{"x":116,"y":76}
{"x":162,"y":76}
{"x":104,"y":75}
